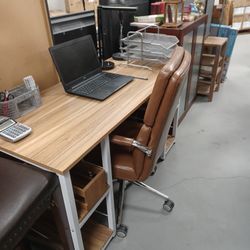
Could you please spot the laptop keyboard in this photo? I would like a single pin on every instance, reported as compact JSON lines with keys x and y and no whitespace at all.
{"x":94,"y":84}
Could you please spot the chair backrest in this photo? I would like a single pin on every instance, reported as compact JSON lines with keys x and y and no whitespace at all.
{"x":160,"y":111}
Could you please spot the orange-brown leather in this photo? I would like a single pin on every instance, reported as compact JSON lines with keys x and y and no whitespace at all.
{"x":165,"y":116}
{"x":127,"y":164}
{"x":122,"y":141}
{"x":160,"y":86}
{"x":135,"y":165}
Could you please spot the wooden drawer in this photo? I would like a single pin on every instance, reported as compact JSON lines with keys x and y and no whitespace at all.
{"x":89,"y":184}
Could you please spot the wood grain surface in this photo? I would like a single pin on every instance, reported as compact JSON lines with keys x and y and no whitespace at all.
{"x":66,"y":127}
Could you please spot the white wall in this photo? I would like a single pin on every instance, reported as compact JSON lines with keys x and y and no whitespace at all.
{"x":56,"y":5}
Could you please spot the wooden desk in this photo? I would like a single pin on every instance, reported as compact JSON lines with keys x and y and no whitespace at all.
{"x":67,"y":127}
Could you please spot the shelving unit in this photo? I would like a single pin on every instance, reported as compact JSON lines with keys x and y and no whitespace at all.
{"x":90,"y":189}
{"x":95,"y":236}
{"x":212,"y":63}
{"x":72,"y":25}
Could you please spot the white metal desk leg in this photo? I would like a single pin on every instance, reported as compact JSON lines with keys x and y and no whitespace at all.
{"x":69,"y":203}
{"x":106,"y":161}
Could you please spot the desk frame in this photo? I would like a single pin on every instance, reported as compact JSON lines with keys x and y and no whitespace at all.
{"x":56,"y":146}
{"x":68,"y":197}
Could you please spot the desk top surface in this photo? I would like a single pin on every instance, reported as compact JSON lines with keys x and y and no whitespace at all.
{"x":66,"y":127}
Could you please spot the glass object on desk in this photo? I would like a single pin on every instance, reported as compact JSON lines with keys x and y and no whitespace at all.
{"x":173,"y":14}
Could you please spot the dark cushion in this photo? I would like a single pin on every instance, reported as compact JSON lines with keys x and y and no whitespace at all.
{"x":24,"y":194}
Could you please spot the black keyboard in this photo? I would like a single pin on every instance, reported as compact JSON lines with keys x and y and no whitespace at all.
{"x":94,"y":83}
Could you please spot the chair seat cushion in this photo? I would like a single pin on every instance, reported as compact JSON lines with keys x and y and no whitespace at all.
{"x":22,"y":187}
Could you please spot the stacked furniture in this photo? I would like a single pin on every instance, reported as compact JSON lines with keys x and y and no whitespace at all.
{"x":212,"y":64}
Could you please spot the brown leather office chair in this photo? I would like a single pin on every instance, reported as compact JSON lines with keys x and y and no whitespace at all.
{"x":26,"y":193}
{"x":136,"y":146}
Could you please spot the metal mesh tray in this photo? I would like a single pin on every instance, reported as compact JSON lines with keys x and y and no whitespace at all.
{"x":154,"y":47}
{"x":153,"y":57}
{"x":136,"y":50}
{"x":151,"y":42}
{"x":24,"y":101}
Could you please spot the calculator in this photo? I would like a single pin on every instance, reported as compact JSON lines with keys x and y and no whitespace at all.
{"x":11,"y":130}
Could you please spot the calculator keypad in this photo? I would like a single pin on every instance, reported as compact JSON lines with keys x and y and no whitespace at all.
{"x":16,"y":132}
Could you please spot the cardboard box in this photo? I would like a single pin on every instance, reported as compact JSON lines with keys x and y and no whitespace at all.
{"x":54,"y":13}
{"x":240,"y":3}
{"x":246,"y":22}
{"x":73,"y":6}
{"x":239,"y":11}
{"x":92,"y":5}
{"x":237,"y":25}
{"x":223,"y":13}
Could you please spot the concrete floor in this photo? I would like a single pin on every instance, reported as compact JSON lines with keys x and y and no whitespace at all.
{"x":207,"y":174}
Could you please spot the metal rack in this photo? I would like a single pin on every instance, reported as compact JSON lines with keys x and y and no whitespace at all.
{"x":147,"y":47}
{"x":24,"y":101}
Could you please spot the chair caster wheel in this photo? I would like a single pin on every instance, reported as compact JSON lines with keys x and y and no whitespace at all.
{"x":122,"y":231}
{"x":154,"y":171}
{"x":161,"y":159}
{"x":168,"y":205}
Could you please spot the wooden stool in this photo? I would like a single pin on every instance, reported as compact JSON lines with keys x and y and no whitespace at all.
{"x":212,"y":63}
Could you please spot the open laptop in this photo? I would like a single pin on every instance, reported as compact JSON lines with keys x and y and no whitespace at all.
{"x":80,"y":70}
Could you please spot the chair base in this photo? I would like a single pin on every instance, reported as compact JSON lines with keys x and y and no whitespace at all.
{"x":122,"y":229}
{"x":168,"y":204}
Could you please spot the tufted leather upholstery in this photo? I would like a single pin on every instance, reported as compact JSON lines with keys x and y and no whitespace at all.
{"x":128,"y":162}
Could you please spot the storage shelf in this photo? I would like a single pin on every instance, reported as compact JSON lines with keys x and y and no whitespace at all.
{"x":96,"y":236}
{"x":208,"y":74}
{"x":84,"y":215}
{"x":204,"y":89}
{"x":169,"y":143}
{"x":209,"y":60}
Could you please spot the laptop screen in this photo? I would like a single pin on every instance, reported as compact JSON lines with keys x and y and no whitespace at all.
{"x":75,"y":58}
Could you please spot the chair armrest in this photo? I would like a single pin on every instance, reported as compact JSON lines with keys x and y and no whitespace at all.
{"x":130,"y":144}
{"x":122,"y":141}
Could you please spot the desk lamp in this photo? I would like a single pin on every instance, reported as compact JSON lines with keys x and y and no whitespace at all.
{"x":120,"y":9}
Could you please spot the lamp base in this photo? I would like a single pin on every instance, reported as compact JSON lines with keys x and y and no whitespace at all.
{"x":118,"y":56}
{"x":107,"y":65}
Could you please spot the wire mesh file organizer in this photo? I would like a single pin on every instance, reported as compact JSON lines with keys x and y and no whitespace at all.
{"x":24,"y":101}
{"x":147,"y":47}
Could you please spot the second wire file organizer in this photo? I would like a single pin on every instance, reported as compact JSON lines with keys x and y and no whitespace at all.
{"x":148,"y":47}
